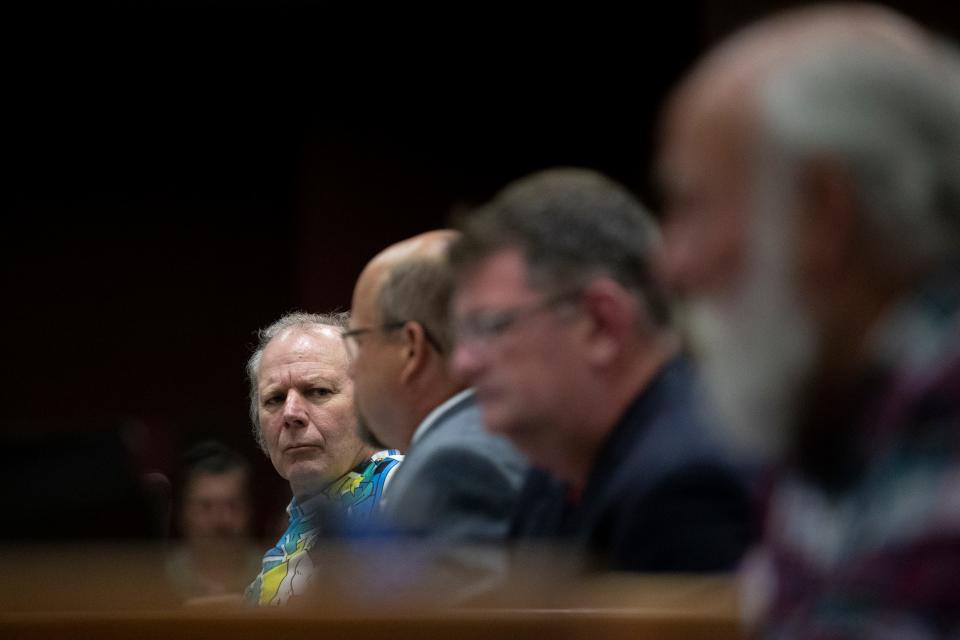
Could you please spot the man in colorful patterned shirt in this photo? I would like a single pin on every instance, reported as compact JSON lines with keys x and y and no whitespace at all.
{"x":811,"y":168}
{"x":301,"y":405}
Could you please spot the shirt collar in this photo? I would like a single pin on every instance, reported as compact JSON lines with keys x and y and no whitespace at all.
{"x":297,"y":509}
{"x":434,"y":416}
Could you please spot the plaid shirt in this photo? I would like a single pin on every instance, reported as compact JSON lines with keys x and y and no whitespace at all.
{"x":879,"y":556}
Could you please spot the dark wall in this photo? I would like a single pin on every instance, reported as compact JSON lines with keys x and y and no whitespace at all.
{"x":183,"y":173}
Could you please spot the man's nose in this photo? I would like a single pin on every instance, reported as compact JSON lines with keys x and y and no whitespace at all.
{"x":222,"y":513}
{"x":465,"y":361}
{"x":294,"y":411}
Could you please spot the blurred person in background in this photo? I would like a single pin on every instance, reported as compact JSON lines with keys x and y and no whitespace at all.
{"x":83,"y":521}
{"x":811,"y":174}
{"x":301,"y":406}
{"x":214,"y":512}
{"x":565,"y":337}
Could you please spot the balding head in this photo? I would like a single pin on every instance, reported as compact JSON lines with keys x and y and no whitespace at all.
{"x":400,"y":338}
{"x":857,"y":86}
{"x":409,"y":280}
{"x":732,"y":71}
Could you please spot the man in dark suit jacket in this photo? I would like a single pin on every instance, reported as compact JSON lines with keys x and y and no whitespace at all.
{"x":564,"y":334}
{"x":660,"y":496}
{"x":458,"y":484}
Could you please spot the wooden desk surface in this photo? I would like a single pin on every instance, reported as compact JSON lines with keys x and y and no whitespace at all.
{"x":115,"y":593}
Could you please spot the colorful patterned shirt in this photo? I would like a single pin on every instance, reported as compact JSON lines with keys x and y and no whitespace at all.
{"x":287,"y":568}
{"x":876,"y":552}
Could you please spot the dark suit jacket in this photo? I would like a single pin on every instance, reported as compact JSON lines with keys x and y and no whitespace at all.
{"x":661,"y":496}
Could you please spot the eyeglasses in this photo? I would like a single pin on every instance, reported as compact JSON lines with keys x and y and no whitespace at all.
{"x":353,"y":346}
{"x":485,"y":326}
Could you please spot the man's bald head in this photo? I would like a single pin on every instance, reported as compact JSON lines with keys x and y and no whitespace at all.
{"x":410,"y":280}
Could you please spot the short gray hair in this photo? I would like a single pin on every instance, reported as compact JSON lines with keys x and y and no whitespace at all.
{"x":570,"y":224}
{"x":891,"y":117}
{"x":298,"y":319}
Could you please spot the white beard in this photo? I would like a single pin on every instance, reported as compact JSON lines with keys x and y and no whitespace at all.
{"x":756,"y":348}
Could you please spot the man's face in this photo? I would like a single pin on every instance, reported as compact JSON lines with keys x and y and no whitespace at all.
{"x":215,"y":505}
{"x":376,"y":358}
{"x":728,"y":254}
{"x":704,"y":170}
{"x":518,"y":350}
{"x":306,"y":408}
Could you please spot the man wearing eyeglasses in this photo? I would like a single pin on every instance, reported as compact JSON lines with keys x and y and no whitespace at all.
{"x":458,"y":484}
{"x":564,"y":334}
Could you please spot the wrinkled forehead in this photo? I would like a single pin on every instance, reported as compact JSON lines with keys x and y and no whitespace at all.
{"x":321,"y":346}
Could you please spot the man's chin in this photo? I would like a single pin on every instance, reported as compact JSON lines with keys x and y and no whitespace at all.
{"x":308,"y":477}
{"x":497,"y":420}
{"x":523,"y":438}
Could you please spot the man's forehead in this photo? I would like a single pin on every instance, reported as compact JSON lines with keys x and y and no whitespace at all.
{"x":711,"y":91}
{"x":368,"y":286}
{"x":318,"y":345}
{"x":231,"y":478}
{"x":302,"y":370}
{"x":306,"y":338}
{"x":702,"y":137}
{"x":503,"y":272}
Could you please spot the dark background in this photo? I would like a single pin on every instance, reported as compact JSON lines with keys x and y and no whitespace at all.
{"x":183,"y":173}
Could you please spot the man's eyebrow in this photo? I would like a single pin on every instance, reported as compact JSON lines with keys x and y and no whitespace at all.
{"x":272,"y":383}
{"x":323,"y":378}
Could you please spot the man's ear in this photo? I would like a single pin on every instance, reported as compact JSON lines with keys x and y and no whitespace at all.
{"x":415,"y":352}
{"x":612,"y":314}
{"x":826,"y":226}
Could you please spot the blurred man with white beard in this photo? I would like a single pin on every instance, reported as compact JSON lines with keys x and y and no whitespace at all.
{"x":811,"y":170}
